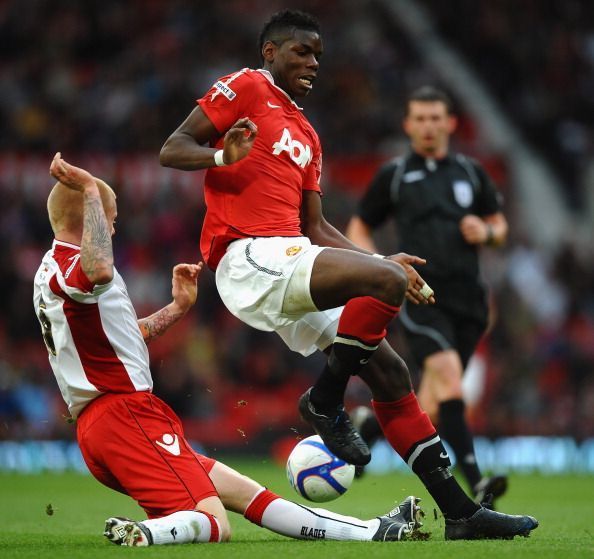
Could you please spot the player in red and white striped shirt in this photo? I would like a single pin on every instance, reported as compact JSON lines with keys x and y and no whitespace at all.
{"x":131,"y":440}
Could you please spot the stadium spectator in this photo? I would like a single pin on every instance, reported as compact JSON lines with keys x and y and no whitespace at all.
{"x":551,"y":69}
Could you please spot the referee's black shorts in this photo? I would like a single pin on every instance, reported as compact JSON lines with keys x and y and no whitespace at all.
{"x":429,"y":329}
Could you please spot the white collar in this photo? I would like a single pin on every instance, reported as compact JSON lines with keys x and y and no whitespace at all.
{"x":269,"y":77}
{"x":64,"y":244}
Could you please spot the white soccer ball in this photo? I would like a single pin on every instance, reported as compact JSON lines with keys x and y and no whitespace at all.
{"x":315,"y":473}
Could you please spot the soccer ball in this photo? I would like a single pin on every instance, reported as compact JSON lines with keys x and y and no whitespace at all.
{"x":315,"y":473}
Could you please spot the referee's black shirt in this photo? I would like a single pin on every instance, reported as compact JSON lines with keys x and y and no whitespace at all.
{"x":428,"y":203}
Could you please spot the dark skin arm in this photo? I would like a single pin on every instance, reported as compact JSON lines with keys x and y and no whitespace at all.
{"x":315,"y":226}
{"x":320,"y":232}
{"x":185,"y":149}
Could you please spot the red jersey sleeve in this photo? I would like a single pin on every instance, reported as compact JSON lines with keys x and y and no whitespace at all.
{"x":76,"y":284}
{"x":71,"y":271}
{"x":77,"y":279}
{"x":229,"y":99}
{"x":313,"y":172}
{"x":78,"y":287}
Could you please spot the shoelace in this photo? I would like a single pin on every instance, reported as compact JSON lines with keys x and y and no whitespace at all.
{"x":488,"y":501}
{"x":347,"y":433}
{"x":340,"y":416}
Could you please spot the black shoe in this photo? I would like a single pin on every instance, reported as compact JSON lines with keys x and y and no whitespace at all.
{"x":365,"y":422}
{"x":486,"y":524}
{"x":337,"y":432}
{"x":495,"y":486}
{"x":400,"y":522}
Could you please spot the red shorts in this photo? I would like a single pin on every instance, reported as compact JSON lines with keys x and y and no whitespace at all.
{"x":134,"y":443}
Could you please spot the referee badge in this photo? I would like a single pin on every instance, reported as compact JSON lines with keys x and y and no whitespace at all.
{"x":463,"y":193}
{"x":292,"y":251}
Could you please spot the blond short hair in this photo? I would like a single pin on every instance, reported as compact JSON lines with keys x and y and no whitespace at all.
{"x":65,"y":206}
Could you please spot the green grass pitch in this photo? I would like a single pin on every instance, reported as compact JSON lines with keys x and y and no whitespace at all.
{"x":564,"y":505}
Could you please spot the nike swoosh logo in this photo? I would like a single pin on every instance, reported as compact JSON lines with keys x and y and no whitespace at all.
{"x":273,"y":106}
{"x":170,"y":444}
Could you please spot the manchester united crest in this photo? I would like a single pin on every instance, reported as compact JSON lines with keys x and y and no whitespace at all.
{"x":292,"y":251}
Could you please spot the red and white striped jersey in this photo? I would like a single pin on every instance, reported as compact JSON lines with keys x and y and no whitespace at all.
{"x":91,"y":331}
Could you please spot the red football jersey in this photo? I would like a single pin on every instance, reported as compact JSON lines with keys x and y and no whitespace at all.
{"x":261,"y":195}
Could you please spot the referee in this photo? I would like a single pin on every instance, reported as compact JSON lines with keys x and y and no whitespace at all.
{"x":445,"y":208}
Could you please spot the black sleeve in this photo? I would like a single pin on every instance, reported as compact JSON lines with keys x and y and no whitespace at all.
{"x":375,"y":205}
{"x":489,"y":200}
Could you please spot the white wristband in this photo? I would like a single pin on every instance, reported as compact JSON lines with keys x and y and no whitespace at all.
{"x":378,"y":255}
{"x":218,"y":158}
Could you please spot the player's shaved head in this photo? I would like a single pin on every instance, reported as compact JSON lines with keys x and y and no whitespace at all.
{"x":65,"y":206}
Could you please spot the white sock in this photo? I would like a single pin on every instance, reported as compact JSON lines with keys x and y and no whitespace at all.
{"x":296,"y":521}
{"x":185,"y":526}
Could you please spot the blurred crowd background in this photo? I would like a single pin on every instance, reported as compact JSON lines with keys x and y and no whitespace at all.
{"x":106,"y":82}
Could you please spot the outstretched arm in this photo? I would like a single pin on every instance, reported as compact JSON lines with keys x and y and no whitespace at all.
{"x":315,"y":226}
{"x":184,"y":149}
{"x":184,"y":291}
{"x":322,"y":233}
{"x":96,"y":252}
{"x":361,"y":234}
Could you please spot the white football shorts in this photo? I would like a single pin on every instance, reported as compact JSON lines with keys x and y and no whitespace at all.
{"x":264,"y":281}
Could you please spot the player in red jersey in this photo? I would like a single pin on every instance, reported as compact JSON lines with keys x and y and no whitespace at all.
{"x":280,"y":266}
{"x":130,"y":439}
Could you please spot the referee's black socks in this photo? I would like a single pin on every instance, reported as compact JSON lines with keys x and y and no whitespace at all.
{"x":453,"y":428}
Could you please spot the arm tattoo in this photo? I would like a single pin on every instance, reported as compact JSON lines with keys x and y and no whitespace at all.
{"x":96,"y":250}
{"x":158,"y":323}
